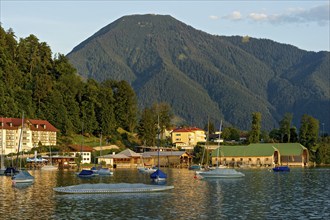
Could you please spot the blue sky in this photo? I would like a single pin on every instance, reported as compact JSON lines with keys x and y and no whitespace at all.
{"x":65,"y":24}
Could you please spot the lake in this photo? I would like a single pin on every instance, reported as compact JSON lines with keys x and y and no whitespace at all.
{"x":261,"y":194}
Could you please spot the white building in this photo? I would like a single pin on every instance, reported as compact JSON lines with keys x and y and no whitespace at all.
{"x":27,"y":134}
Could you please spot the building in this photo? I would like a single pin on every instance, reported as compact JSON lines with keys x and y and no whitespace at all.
{"x":131,"y":159}
{"x":28,"y":134}
{"x":270,"y":154}
{"x":187,"y":138}
{"x":84,"y":151}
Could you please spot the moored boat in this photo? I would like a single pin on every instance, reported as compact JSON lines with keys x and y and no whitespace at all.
{"x":22,"y":176}
{"x":281,"y":169}
{"x":111,"y":188}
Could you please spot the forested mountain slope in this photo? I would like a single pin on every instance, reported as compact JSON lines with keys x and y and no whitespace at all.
{"x":205,"y":76}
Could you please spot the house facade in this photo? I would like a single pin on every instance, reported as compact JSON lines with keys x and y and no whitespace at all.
{"x":131,"y":159}
{"x":187,"y":138}
{"x":27,"y":133}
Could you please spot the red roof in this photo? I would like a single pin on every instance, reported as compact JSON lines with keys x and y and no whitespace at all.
{"x":188,"y":129}
{"x":34,"y":124}
{"x":78,"y":148}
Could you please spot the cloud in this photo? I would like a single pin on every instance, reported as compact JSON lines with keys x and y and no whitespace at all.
{"x":318,"y":14}
{"x":258,"y":16}
{"x":234,"y":16}
{"x":213,"y":17}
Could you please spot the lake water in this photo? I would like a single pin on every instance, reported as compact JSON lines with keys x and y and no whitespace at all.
{"x":261,"y":194}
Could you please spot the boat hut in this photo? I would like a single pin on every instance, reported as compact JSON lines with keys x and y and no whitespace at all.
{"x":291,"y":154}
{"x":251,"y":155}
{"x":168,"y":158}
{"x":264,"y":154}
{"x":124,"y":159}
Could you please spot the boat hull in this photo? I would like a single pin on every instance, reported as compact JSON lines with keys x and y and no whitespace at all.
{"x":221,"y":173}
{"x":111,"y":188}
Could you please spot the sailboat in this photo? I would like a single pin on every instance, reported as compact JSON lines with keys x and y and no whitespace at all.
{"x":220,"y":172}
{"x":22,"y":176}
{"x":50,"y":166}
{"x":158,"y":176}
{"x":2,"y":168}
{"x":102,"y":171}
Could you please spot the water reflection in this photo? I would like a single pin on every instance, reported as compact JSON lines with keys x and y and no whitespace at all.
{"x":261,"y":194}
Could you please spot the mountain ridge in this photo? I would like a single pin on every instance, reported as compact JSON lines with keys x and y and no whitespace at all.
{"x":207,"y":76}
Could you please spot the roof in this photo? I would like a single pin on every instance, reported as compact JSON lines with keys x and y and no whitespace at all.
{"x":188,"y":129}
{"x":129,"y":153}
{"x":288,"y":149}
{"x":245,"y":151}
{"x":255,"y":150}
{"x":33,"y":124}
{"x":164,"y":153}
{"x":78,"y":148}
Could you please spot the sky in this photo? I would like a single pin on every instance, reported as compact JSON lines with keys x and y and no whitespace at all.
{"x":64,"y":24}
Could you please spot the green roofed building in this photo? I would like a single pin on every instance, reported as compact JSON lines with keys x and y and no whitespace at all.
{"x":270,"y":154}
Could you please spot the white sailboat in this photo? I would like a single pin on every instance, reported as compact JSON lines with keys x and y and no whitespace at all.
{"x":50,"y":166}
{"x":220,"y":172}
{"x":23,"y":176}
{"x":2,"y":168}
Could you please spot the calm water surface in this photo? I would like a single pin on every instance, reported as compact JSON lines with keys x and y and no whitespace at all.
{"x":261,"y":194}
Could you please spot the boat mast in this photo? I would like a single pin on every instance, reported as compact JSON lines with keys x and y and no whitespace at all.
{"x":218,"y":153}
{"x":2,"y":148}
{"x":20,"y":141}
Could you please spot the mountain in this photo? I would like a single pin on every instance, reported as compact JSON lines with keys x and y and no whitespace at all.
{"x":206,"y":76}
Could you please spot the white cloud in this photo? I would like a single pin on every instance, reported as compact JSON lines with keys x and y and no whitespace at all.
{"x":258,"y":16}
{"x":235,"y":16}
{"x":318,"y":14}
{"x":213,"y":17}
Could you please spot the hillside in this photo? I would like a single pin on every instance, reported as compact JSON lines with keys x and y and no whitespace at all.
{"x":202,"y":75}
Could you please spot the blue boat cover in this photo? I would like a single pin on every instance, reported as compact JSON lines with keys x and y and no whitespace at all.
{"x":86,"y":172}
{"x":158,"y":173}
{"x":281,"y":168}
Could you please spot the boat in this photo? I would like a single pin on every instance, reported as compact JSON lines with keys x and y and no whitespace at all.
{"x":111,"y":188}
{"x":194,"y":167}
{"x":158,"y":176}
{"x":103,"y":171}
{"x":10,"y":171}
{"x":86,"y":174}
{"x":147,"y":169}
{"x":220,"y":172}
{"x":49,"y":166}
{"x":281,"y":169}
{"x":22,"y":176}
{"x":2,"y":168}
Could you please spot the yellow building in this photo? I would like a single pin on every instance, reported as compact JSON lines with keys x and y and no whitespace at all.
{"x":187,"y":138}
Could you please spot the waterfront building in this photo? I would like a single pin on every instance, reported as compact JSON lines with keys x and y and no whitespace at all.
{"x":269,"y":154}
{"x":130,"y":159}
{"x":187,"y":138}
{"x":34,"y":132}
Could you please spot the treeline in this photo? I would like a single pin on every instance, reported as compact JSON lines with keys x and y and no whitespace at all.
{"x":46,"y":87}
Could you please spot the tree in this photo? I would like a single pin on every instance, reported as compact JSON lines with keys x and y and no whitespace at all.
{"x":147,"y":129}
{"x":275,"y":135}
{"x":254,"y":136}
{"x":285,"y":126}
{"x":309,"y":131}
